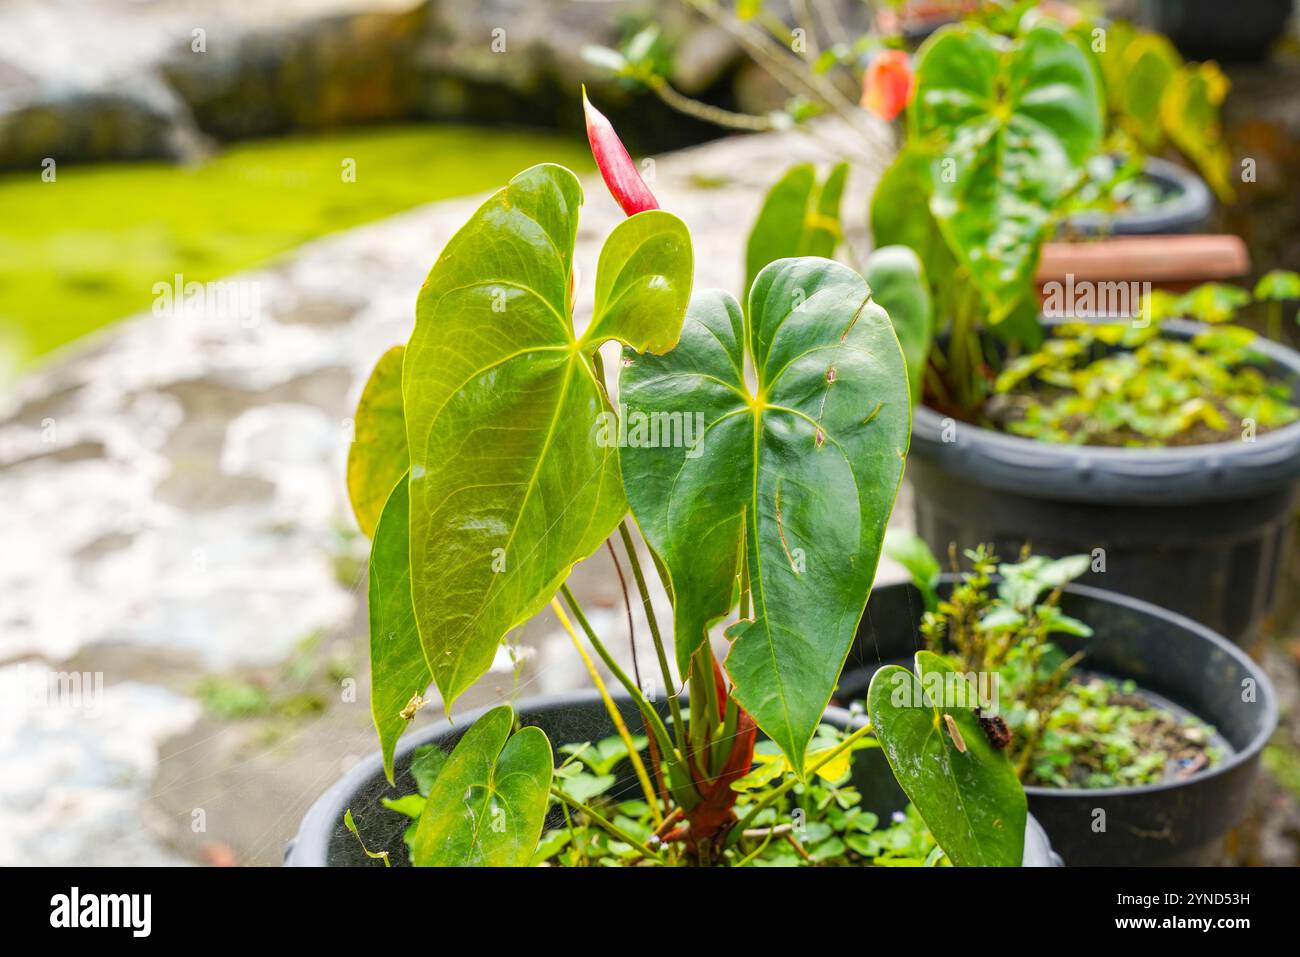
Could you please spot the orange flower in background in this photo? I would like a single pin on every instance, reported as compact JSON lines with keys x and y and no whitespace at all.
{"x":615,"y":165}
{"x":887,"y":85}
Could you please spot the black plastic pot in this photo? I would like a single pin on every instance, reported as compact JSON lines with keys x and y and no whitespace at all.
{"x":1238,"y":32}
{"x":1199,"y":529}
{"x":1171,"y":658}
{"x":1186,"y":207}
{"x":323,"y":841}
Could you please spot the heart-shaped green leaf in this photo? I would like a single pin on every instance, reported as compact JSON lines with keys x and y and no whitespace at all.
{"x":398,"y":671}
{"x":1008,"y":126}
{"x":488,"y":803}
{"x":897,"y":281}
{"x":964,"y":787}
{"x":510,"y":484}
{"x":801,"y":473}
{"x":799,"y":217}
{"x":377,"y":457}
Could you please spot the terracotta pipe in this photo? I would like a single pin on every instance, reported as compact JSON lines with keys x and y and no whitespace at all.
{"x":1168,"y":262}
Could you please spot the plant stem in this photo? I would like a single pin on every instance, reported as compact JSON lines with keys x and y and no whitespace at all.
{"x":771,"y":832}
{"x":704,"y":704}
{"x":674,"y":708}
{"x":1057,"y":692}
{"x":573,"y":835}
{"x":742,"y":825}
{"x":673,"y":817}
{"x":651,"y":715}
{"x":610,"y":826}
{"x":789,"y":69}
{"x":799,"y":848}
{"x":633,"y":755}
{"x":727,"y":119}
{"x":627,"y":606}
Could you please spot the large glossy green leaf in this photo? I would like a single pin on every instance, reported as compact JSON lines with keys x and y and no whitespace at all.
{"x":377,"y":457}
{"x":801,"y":473}
{"x":967,"y":793}
{"x":799,"y":217}
{"x":510,"y":485}
{"x":488,"y":803}
{"x":398,"y":671}
{"x":898,"y":284}
{"x":1007,"y":125}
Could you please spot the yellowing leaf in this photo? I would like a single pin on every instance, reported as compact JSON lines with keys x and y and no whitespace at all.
{"x":1190,"y":112}
{"x":377,"y":457}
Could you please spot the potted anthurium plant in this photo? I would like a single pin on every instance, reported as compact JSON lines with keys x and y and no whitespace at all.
{"x":1137,"y":733}
{"x":488,"y":462}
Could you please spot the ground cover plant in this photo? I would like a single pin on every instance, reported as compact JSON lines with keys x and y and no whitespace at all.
{"x":1124,"y":384}
{"x":1062,"y":727}
{"x":489,"y":460}
{"x":819,"y":822}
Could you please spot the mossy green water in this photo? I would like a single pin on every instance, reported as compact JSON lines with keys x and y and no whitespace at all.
{"x":86,"y":249}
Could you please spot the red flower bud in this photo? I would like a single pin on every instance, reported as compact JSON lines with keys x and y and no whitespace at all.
{"x":887,"y":85}
{"x":620,"y":173}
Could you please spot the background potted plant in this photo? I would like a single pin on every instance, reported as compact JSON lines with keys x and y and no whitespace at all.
{"x":501,"y":462}
{"x":990,"y":466}
{"x":1018,"y":135}
{"x":1176,"y":463}
{"x":1015,"y":137}
{"x":1137,"y":732}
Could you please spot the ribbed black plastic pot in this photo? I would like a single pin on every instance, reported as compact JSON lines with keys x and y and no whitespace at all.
{"x":1199,"y":529}
{"x":1239,"y":32}
{"x":323,"y":841}
{"x":1170,"y":657}
{"x":1186,"y":207}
